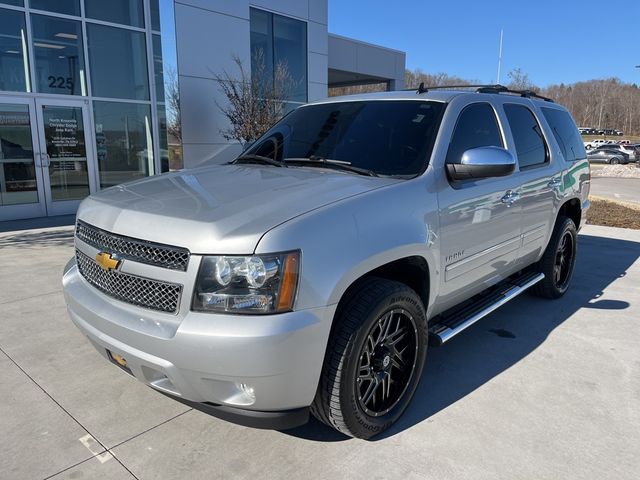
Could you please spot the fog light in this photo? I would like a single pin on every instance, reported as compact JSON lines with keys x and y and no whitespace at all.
{"x":248,"y":391}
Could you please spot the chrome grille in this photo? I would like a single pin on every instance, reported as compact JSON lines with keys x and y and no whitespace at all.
{"x":165,"y":256}
{"x":143,"y":292}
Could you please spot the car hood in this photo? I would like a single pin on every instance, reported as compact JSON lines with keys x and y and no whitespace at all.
{"x":220,"y":208}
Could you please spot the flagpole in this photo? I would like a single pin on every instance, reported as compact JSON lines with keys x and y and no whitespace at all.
{"x":499,"y":57}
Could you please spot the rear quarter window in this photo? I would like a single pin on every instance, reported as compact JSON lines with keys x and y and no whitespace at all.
{"x":566,"y":133}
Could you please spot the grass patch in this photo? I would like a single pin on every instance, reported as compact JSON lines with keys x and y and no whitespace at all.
{"x":613,"y":214}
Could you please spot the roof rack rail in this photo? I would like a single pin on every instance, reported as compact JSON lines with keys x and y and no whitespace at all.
{"x":497,"y":88}
{"x":502,"y":89}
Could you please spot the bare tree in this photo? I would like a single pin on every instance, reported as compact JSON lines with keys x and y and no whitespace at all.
{"x":256,"y":98}
{"x":602,"y":103}
{"x":355,"y":89}
{"x":172,"y":95}
{"x":413,"y":78}
{"x":520,"y":80}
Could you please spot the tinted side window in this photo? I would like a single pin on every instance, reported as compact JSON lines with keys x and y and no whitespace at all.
{"x":567,"y":136}
{"x":477,"y":126}
{"x":530,"y":146}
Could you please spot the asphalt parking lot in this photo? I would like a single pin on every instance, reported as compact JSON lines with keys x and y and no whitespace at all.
{"x":539,"y":389}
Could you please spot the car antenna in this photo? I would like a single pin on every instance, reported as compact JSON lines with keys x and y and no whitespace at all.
{"x":422,"y":88}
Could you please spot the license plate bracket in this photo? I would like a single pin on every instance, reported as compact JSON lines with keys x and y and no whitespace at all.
{"x":120,"y":361}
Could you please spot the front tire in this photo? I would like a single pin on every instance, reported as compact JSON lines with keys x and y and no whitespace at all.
{"x":558,"y":261}
{"x":374,"y":359}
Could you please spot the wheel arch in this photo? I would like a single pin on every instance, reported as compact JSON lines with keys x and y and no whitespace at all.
{"x":412,"y":271}
{"x":572,"y":208}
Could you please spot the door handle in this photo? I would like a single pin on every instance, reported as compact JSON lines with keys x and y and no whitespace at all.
{"x":555,"y":183}
{"x":510,"y":197}
{"x":44,"y":159}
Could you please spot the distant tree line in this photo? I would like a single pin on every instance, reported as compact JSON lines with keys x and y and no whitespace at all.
{"x":607,"y":103}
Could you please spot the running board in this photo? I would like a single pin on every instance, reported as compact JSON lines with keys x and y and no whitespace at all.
{"x":448,"y":324}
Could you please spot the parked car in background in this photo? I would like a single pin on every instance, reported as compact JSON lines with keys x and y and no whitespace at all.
{"x":633,"y":149}
{"x":594,"y":143}
{"x":606,"y":154}
{"x":624,"y":148}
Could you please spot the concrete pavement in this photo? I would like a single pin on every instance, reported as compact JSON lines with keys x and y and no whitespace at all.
{"x":617,"y":189}
{"x":539,"y":389}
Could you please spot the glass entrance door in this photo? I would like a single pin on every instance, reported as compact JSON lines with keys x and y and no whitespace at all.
{"x":65,"y":157}
{"x":46,"y":163}
{"x":21,"y":186}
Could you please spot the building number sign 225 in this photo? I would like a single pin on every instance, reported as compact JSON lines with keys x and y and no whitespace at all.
{"x":60,"y":82}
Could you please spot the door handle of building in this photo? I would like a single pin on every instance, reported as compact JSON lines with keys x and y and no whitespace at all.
{"x":44,"y":159}
{"x":510,"y":197}
{"x":555,"y":183}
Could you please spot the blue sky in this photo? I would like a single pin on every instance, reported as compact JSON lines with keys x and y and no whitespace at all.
{"x":553,"y":41}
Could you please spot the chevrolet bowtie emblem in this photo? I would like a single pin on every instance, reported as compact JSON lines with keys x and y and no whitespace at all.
{"x":106,"y":261}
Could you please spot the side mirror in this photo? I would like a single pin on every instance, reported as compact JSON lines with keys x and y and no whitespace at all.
{"x":482,"y":162}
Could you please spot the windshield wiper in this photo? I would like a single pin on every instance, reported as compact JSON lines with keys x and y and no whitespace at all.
{"x":250,"y":158}
{"x":321,"y":162}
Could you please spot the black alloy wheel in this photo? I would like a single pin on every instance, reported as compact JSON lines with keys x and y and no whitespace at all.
{"x":558,"y":261}
{"x":374,"y":359}
{"x":387,"y":362}
{"x":564,"y":261}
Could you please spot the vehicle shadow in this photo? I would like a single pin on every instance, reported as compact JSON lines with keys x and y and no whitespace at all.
{"x":505,"y":337}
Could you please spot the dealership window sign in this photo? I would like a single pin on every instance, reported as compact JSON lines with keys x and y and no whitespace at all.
{"x":65,"y":137}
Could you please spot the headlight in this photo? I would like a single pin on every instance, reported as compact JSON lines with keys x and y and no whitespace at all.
{"x":255,"y":284}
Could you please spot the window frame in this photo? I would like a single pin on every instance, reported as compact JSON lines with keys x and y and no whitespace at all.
{"x":271,"y":68}
{"x":544,"y":110}
{"x":93,"y":31}
{"x":547,"y":151}
{"x":34,"y":18}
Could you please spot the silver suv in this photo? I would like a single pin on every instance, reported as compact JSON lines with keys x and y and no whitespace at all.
{"x":311,"y":273}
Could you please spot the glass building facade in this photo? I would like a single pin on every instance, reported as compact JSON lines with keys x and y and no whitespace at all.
{"x":82,"y":99}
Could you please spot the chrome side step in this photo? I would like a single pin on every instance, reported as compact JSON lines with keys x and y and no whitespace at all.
{"x":450,"y":323}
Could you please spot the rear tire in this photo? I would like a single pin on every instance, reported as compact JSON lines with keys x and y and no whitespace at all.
{"x":374,"y":359}
{"x":558,"y":261}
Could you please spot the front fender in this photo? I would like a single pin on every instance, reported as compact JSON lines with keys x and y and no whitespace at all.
{"x":342,"y":242}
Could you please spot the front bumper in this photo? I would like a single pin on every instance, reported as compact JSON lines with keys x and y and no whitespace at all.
{"x":260,"y":371}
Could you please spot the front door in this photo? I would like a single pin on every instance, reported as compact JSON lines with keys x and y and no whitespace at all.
{"x":480,"y":220}
{"x":65,"y":157}
{"x":21,"y":185}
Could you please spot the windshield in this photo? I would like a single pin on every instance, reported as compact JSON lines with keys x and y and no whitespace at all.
{"x":387,"y":137}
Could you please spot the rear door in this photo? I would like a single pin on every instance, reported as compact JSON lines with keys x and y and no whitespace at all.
{"x":540,"y":178}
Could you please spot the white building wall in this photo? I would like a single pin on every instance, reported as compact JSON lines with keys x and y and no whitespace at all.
{"x":209,"y":33}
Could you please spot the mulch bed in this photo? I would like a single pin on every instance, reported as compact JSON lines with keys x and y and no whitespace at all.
{"x":613,"y":214}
